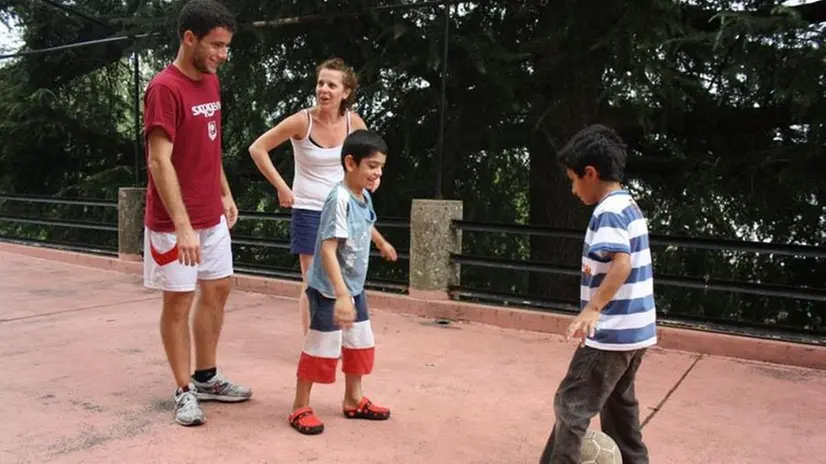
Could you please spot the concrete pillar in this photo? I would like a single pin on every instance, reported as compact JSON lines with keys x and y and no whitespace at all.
{"x":432,"y":239}
{"x":131,"y":201}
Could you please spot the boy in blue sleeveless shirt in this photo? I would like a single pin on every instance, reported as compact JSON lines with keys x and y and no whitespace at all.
{"x":336,"y":288}
{"x":617,"y":322}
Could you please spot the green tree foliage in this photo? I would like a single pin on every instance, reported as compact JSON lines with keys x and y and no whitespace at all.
{"x":720,"y":102}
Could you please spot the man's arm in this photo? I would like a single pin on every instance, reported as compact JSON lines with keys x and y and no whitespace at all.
{"x":165,"y":178}
{"x":225,"y":190}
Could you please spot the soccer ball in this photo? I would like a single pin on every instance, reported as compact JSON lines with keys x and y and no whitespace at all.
{"x":599,"y":448}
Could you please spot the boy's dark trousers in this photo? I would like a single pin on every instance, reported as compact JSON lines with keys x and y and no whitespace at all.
{"x":598,"y":382}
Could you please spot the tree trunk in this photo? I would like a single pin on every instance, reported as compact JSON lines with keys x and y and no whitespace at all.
{"x":568,"y":79}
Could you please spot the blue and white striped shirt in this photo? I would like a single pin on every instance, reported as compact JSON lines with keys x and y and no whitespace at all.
{"x":629,"y":321}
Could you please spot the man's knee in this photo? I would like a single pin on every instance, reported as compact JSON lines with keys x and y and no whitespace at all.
{"x":214,"y":293}
{"x":176,"y":305}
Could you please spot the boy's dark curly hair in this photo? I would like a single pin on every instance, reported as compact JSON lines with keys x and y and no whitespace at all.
{"x":597,"y":146}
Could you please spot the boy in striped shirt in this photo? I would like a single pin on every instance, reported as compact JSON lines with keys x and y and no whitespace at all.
{"x":617,"y":322}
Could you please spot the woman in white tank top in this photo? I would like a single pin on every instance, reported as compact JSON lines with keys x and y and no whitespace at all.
{"x":317,"y":135}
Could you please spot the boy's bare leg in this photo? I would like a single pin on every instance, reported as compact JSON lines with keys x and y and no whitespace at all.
{"x":352,"y":391}
{"x":302,"y":394}
{"x":303,"y":303}
{"x":356,"y":405}
{"x":175,"y":334}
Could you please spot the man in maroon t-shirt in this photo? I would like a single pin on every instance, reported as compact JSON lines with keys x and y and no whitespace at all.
{"x":189,"y":206}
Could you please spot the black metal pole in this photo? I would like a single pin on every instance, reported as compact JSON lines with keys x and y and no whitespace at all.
{"x":77,"y":44}
{"x":137,"y":107}
{"x":441,"y":141}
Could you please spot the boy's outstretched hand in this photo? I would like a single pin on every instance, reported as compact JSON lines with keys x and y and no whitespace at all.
{"x":344,"y":314}
{"x":584,"y":325}
{"x":388,"y":252}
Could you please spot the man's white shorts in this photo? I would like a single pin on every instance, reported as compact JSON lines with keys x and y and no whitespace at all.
{"x":162,"y":271}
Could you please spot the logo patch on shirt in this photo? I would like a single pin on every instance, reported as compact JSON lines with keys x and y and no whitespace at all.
{"x":206,"y":109}
{"x":213,"y":130}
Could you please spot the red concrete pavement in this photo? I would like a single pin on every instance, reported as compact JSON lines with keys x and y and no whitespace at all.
{"x":84,"y":379}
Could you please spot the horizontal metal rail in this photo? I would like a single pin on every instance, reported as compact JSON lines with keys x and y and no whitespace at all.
{"x":104,"y":226}
{"x":62,"y":245}
{"x":260,"y":242}
{"x":697,"y":322}
{"x":389,"y":223}
{"x":780,"y":291}
{"x":263,"y":216}
{"x":398,"y":286}
{"x":508,"y":297}
{"x":285,"y":244}
{"x":60,"y":200}
{"x":659,"y":240}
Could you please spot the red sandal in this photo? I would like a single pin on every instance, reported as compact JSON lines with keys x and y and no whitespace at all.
{"x":305,"y":421}
{"x":367,"y":410}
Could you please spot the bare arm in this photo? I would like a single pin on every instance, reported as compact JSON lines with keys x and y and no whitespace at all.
{"x":165,"y":178}
{"x":293,"y":126}
{"x":614,"y":279}
{"x":225,"y":190}
{"x":331,"y":265}
{"x":388,"y":252}
{"x":586,"y":322}
{"x":377,"y":237}
{"x":357,"y":122}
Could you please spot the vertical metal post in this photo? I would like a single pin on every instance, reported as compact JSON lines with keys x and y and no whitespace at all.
{"x":441,"y":141}
{"x":137,"y":108}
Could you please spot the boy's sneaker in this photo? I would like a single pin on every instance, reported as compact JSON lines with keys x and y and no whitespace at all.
{"x":187,"y":410}
{"x":219,"y":388}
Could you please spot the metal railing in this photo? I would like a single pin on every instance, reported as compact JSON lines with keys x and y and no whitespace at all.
{"x":257,"y":268}
{"x":463,"y":292}
{"x":800,"y":293}
{"x":264,"y":269}
{"x":68,"y":245}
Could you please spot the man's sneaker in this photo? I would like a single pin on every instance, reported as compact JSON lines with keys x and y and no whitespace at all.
{"x":187,"y":409}
{"x":220,"y":389}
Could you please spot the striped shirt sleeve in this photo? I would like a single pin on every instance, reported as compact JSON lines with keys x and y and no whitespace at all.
{"x":610,"y":235}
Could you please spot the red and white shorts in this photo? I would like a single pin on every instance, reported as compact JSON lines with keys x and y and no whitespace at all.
{"x":162,"y":271}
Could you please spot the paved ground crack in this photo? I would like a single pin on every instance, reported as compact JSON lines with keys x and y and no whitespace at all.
{"x":83,"y":308}
{"x":670,"y":392}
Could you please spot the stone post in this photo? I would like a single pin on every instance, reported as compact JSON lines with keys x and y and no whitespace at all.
{"x":131,"y":202}
{"x":432,"y":239}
